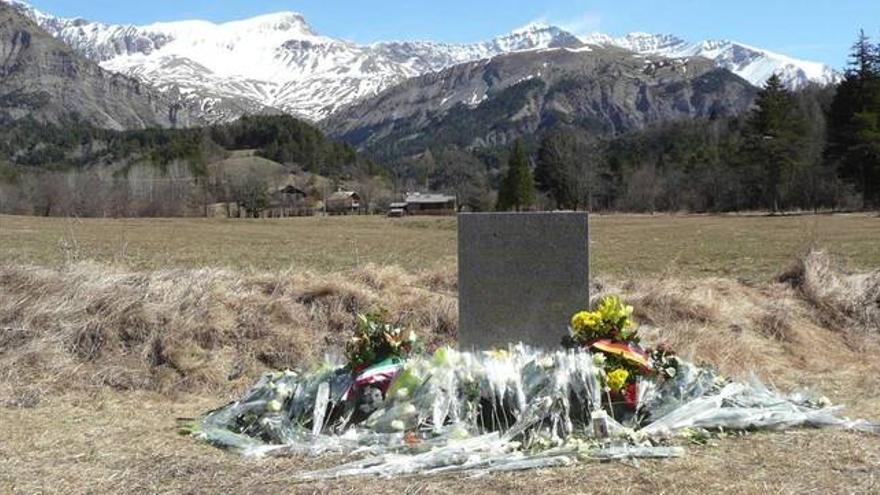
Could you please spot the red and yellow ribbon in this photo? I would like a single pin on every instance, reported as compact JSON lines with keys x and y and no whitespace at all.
{"x":630,"y":352}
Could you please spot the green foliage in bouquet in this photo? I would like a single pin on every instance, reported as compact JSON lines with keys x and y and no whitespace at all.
{"x":610,"y":333}
{"x":375,"y":340}
{"x":612,"y":319}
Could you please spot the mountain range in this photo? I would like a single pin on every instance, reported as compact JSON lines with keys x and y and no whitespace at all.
{"x":601,"y":89}
{"x":279,"y":63}
{"x":44,"y":79}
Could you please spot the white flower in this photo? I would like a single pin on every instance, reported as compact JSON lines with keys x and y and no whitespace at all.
{"x":671,"y":371}
{"x":413,"y":337}
{"x":599,"y":359}
{"x":273,"y":406}
{"x":397,"y":425}
{"x":282,"y":391}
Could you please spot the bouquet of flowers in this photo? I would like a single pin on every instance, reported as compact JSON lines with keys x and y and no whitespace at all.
{"x":376,"y":340}
{"x":611,"y":335}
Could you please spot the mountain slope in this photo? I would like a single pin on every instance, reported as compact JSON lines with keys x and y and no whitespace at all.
{"x":755,"y":65}
{"x":277,"y":62}
{"x":604,"y":90}
{"x":274,"y":62}
{"x":41,"y":77}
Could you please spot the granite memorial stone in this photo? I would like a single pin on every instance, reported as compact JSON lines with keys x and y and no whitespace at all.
{"x":521,"y":277}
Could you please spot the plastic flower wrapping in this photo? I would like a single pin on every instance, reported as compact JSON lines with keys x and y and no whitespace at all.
{"x":509,"y":409}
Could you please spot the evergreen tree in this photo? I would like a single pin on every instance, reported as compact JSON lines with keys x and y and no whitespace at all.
{"x":567,"y":169}
{"x":517,"y":191}
{"x":854,"y":122}
{"x":775,"y":134}
{"x":863,"y":58}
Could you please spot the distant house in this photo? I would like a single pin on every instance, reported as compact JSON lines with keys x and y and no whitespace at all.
{"x":278,"y":202}
{"x":343,"y":203}
{"x":430,"y":204}
{"x":397,"y":210}
{"x":291,"y":192}
{"x":287,"y":201}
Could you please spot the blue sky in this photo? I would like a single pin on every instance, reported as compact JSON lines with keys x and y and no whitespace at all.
{"x":813,"y":29}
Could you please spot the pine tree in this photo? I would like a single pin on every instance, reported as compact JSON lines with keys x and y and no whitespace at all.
{"x":550,"y":175}
{"x":567,"y":168}
{"x":863,"y":58}
{"x":517,"y":191}
{"x":854,"y":122}
{"x":775,"y":131}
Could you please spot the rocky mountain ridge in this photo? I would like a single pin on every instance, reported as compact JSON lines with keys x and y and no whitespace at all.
{"x":44,"y":79}
{"x":278,"y":62}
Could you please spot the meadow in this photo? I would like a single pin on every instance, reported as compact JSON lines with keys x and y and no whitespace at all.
{"x":110,"y":330}
{"x":749,"y":247}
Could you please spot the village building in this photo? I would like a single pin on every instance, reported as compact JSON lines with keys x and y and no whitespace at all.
{"x":278,"y":202}
{"x":397,"y":210}
{"x":343,"y":203}
{"x":287,"y":201}
{"x":430,"y":204}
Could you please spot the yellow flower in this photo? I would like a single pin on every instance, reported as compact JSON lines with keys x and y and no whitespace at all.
{"x":499,"y":354}
{"x":612,"y":311}
{"x":617,"y":379}
{"x":585,"y":322}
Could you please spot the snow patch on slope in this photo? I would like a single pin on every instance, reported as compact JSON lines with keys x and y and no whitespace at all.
{"x":753,"y":64}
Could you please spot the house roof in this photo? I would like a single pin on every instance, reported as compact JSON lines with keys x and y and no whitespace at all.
{"x":290,"y":189}
{"x":419,"y":198}
{"x":341,"y":195}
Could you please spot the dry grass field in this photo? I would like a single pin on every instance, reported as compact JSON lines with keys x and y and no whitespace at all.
{"x":749,"y":247}
{"x":112,"y":329}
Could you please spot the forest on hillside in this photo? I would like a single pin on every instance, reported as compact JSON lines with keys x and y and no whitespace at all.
{"x":811,"y":149}
{"x":73,"y":169}
{"x":815,"y":148}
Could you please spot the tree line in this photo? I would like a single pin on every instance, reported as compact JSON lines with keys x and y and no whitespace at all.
{"x":818,"y":148}
{"x":70,"y":168}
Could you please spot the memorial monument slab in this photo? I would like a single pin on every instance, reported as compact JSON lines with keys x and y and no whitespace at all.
{"x":521,"y":276}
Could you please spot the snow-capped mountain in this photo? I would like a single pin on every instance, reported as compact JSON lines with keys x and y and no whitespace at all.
{"x":753,"y":64}
{"x":277,"y":62}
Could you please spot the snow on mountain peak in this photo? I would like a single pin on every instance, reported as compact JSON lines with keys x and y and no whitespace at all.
{"x":645,"y":42}
{"x":288,"y":22}
{"x":532,"y":27}
{"x":278,"y":61}
{"x":756,"y":65}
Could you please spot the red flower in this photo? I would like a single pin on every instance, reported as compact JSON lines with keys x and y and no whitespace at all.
{"x":631,"y":394}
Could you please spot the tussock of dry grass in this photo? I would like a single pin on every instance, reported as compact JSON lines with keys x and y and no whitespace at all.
{"x":90,"y":353}
{"x":184,"y":330}
{"x":89,"y":325}
{"x":842,"y":299}
{"x":799,"y":333}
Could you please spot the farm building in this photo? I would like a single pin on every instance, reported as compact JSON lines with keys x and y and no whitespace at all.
{"x":430,"y":204}
{"x":397,"y":209}
{"x":279,"y":202}
{"x":343,"y":203}
{"x":287,"y":201}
